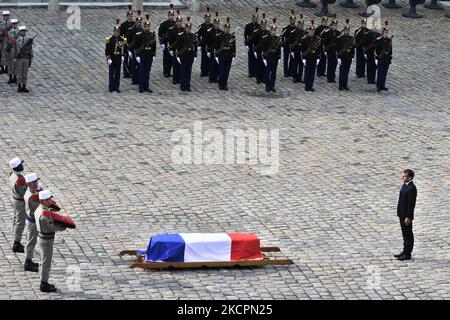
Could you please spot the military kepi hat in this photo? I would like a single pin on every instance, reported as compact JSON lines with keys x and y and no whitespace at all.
{"x":15,"y":162}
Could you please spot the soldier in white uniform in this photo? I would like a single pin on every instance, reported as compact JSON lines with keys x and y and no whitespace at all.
{"x":10,"y":51}
{"x":5,"y":25}
{"x":31,"y":203}
{"x":46,"y":228}
{"x":18,"y":187}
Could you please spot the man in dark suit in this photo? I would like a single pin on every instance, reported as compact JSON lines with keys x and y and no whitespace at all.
{"x":405,"y":212}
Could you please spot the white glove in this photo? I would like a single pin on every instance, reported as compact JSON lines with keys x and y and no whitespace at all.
{"x":353,"y":59}
{"x":195,"y":59}
{"x":279,"y":60}
{"x":130,"y":54}
{"x":171,"y":53}
{"x":123,"y":58}
{"x":376,"y":61}
{"x":138,"y":59}
{"x":339,"y":61}
{"x":365,"y":56}
{"x":293,"y":55}
{"x":208,"y":54}
{"x":256,"y":55}
{"x":248,"y":49}
{"x":217,"y":60}
{"x":109,"y":61}
{"x":317,"y":62}
{"x":163,"y":46}
{"x":179,"y":60}
{"x":265,"y":62}
{"x":326,"y":54}
{"x":232,"y":61}
{"x":304,"y":62}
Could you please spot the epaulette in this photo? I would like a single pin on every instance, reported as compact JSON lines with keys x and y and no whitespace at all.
{"x":137,"y":33}
{"x":171,"y":27}
{"x":180,"y":33}
{"x":209,"y":29}
{"x":379,"y":38}
{"x":107,"y":40}
{"x":292,"y":30}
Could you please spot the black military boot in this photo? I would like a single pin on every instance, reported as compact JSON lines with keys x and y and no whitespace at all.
{"x":10,"y":79}
{"x":31,"y":266}
{"x":47,"y":287}
{"x":19,"y":87}
{"x":18,"y":247}
{"x":2,"y":69}
{"x":24,"y":88}
{"x":14,"y":79}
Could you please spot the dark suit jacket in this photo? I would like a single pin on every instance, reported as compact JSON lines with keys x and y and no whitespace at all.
{"x":407,"y":201}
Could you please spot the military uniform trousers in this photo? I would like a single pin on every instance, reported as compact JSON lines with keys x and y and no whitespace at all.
{"x":213,"y":69}
{"x":144,"y":74}
{"x":360,"y":63}
{"x":260,"y":69}
{"x":271,"y":74}
{"x":371,"y":70}
{"x":331,"y":67}
{"x":204,"y":64}
{"x":287,"y":62}
{"x":31,"y":237}
{"x":297,"y":69}
{"x":322,"y":66}
{"x":344,"y":70}
{"x":46,"y":253}
{"x":252,"y":62}
{"x":176,"y":70}
{"x":167,"y":62}
{"x":408,"y":237}
{"x":133,"y":70}
{"x":22,"y":70}
{"x":114,"y":77}
{"x":185,"y":75}
{"x":224,"y":72}
{"x":2,"y":53}
{"x":310,"y":69}
{"x":19,"y":216}
{"x":126,"y":64}
{"x":383,"y":68}
{"x":11,"y":62}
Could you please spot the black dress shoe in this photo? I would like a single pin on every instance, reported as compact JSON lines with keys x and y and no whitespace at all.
{"x":47,"y":287}
{"x":301,"y":81}
{"x":149,"y":90}
{"x":10,"y":80}
{"x":371,"y":82}
{"x":19,"y":88}
{"x":312,"y":89}
{"x":24,"y":89}
{"x":134,"y":82}
{"x":404,"y":258}
{"x":378,"y":90}
{"x":341,"y":88}
{"x":15,"y":79}
{"x":31,"y":266}
{"x":141,"y":91}
{"x":18,"y":247}
{"x":183,"y":89}
{"x":286,"y":75}
{"x":361,"y":76}
{"x":295,"y":81}
{"x":118,"y":91}
{"x":398,"y":255}
{"x":225,"y":88}
{"x":258,"y":81}
{"x":188,"y":89}
{"x":347,"y":88}
{"x":331,"y":81}
{"x":385,"y":89}
{"x":307,"y":89}
{"x":267,"y":90}
{"x":273,"y":90}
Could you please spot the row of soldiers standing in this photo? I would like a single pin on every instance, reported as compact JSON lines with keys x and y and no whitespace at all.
{"x":32,"y":214}
{"x":16,"y":51}
{"x":134,"y":47}
{"x":319,"y":50}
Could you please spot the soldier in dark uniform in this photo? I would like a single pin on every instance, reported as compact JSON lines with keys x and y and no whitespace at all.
{"x":329,"y":49}
{"x":174,"y":32}
{"x":296,"y":53}
{"x":257,"y":40}
{"x":211,"y":37}
{"x":132,"y":63}
{"x":124,"y":27}
{"x":320,"y":30}
{"x":360,"y":35}
{"x":369,"y":51}
{"x":310,"y":46}
{"x":114,"y":57}
{"x":285,"y":36}
{"x":162,"y":35}
{"x":383,"y":56}
{"x":345,"y":51}
{"x":225,"y":53}
{"x":202,"y":31}
{"x":145,"y":51}
{"x":271,"y":54}
{"x":249,"y":30}
{"x":186,"y":53}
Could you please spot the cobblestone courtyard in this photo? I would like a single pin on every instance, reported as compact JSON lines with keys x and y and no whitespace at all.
{"x":331,"y":207}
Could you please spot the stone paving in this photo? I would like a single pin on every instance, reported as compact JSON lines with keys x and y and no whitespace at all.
{"x":330,"y":208}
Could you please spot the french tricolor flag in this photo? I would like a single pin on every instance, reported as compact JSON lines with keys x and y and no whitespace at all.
{"x":202,"y":247}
